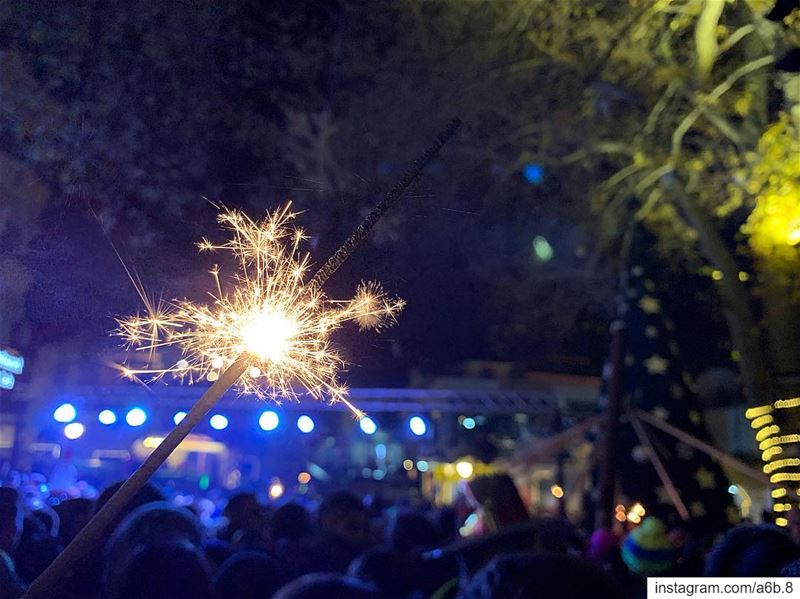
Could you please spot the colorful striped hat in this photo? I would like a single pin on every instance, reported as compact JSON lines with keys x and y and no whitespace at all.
{"x":648,"y":549}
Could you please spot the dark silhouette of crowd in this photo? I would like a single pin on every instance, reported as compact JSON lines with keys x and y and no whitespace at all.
{"x":342,"y":546}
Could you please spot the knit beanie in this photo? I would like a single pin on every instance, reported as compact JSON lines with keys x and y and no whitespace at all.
{"x":648,"y":549}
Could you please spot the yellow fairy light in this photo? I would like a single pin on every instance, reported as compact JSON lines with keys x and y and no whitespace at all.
{"x":784,"y":476}
{"x":751,"y":413}
{"x":782,"y":440}
{"x":557,"y":491}
{"x":778,"y":464}
{"x":766,"y":433}
{"x":270,"y":314}
{"x":787,"y":403}
{"x":762,"y":421}
{"x":781,"y":522}
{"x":777,"y":493}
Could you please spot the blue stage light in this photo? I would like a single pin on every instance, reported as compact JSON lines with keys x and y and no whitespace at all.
{"x":268,"y":421}
{"x":468,"y":423}
{"x":74,"y":430}
{"x":368,"y":425}
{"x":178,"y":417}
{"x":218,"y":422}
{"x":107,"y":417}
{"x":66,"y":412}
{"x":305,"y":424}
{"x":136,"y":417}
{"x":417,"y":425}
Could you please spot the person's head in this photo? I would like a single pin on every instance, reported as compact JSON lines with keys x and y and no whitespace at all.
{"x":290,"y":522}
{"x":36,"y":549}
{"x":327,"y":586}
{"x":151,"y":523}
{"x":149,"y":493}
{"x":392,"y":573}
{"x":411,"y":530}
{"x":530,"y":576}
{"x":11,"y":518}
{"x":248,"y":575}
{"x":748,"y":550}
{"x":648,"y":549}
{"x":241,"y":508}
{"x":73,"y":515}
{"x":161,"y":570}
{"x":243,"y":513}
{"x":343,"y":516}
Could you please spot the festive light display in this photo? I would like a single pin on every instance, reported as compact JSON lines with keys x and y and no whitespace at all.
{"x":780,"y":452}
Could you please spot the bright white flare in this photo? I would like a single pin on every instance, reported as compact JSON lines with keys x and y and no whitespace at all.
{"x":265,"y":310}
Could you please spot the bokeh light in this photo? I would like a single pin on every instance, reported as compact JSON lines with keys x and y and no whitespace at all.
{"x":74,"y":430}
{"x":66,"y":412}
{"x":268,"y":421}
{"x":107,"y":417}
{"x":136,"y":417}
{"x":305,"y":424}
{"x":417,"y":425}
{"x":368,"y":426}
{"x":218,"y":422}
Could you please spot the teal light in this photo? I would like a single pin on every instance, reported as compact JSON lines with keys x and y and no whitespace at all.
{"x":542,"y":250}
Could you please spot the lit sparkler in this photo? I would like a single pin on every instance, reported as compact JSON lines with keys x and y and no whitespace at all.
{"x":270,"y":330}
{"x":270,"y":313}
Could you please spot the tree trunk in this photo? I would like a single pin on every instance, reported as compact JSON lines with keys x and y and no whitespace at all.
{"x":753,"y":365}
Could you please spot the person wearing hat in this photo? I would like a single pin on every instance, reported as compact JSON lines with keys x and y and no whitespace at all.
{"x":648,"y":549}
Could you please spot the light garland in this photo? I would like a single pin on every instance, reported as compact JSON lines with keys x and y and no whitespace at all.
{"x":773,"y":445}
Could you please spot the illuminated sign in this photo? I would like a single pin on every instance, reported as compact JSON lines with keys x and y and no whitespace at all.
{"x":13,"y":363}
{"x":6,"y":380}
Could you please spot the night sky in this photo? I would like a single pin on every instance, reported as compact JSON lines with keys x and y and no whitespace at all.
{"x":168,"y":108}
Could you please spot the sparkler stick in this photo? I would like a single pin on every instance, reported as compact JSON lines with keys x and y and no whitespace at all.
{"x":361,"y":232}
{"x":51,"y":581}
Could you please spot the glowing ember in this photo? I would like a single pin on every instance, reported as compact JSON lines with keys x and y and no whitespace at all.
{"x":265,"y":311}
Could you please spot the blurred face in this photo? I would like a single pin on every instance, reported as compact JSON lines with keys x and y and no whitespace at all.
{"x":351,"y":527}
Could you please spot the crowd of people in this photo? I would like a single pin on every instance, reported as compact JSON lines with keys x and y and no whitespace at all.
{"x":342,"y":546}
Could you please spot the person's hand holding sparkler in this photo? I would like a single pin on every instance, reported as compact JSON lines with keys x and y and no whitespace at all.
{"x":271,"y":330}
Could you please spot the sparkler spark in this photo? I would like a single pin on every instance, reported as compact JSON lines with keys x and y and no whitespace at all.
{"x":265,"y":310}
